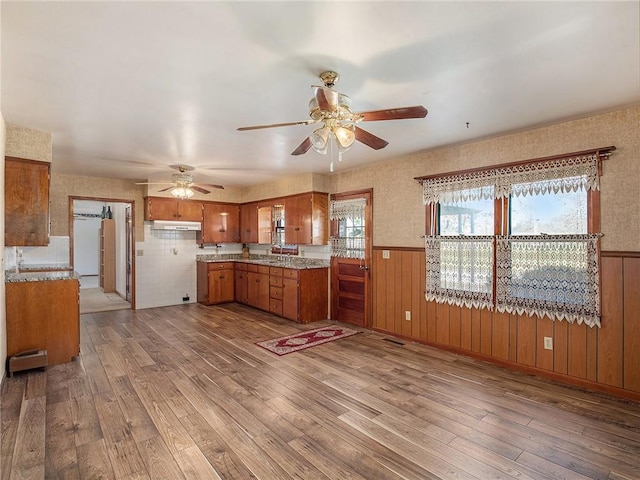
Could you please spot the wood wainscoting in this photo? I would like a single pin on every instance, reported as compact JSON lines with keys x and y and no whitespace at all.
{"x":604,"y":359}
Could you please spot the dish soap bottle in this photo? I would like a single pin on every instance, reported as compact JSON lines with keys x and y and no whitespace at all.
{"x":245,"y":251}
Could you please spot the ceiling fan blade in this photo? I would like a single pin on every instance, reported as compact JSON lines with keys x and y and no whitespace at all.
{"x":199,"y":189}
{"x":288,"y":124}
{"x":168,"y":188}
{"x":303,"y":147}
{"x":394,"y":113}
{"x":153,"y":183}
{"x":211,"y":185}
{"x":370,"y":139}
{"x":326,"y":98}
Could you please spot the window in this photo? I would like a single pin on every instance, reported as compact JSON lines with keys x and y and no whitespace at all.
{"x":350,"y":215}
{"x":539,"y":245}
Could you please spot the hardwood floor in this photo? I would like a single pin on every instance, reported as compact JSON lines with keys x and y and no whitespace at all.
{"x":183,"y":392}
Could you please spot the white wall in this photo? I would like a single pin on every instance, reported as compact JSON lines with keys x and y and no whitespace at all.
{"x":118,"y":213}
{"x":86,"y":245}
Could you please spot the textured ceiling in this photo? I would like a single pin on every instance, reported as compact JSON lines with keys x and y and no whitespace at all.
{"x":128,"y":88}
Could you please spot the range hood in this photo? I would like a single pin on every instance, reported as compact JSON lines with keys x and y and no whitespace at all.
{"x":173,"y":225}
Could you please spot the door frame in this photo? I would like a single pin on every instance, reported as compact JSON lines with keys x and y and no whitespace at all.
{"x":367,"y":192}
{"x":130,"y":252}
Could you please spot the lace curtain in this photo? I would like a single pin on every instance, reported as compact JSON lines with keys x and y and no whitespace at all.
{"x":559,"y":175}
{"x":557,"y":276}
{"x":350,"y":215}
{"x":459,"y":270}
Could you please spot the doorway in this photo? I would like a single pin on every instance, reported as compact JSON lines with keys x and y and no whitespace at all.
{"x":351,"y":216}
{"x":102,"y":246}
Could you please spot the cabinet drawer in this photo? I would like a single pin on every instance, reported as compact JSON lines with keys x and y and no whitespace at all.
{"x":275,"y":281}
{"x":220,"y":266}
{"x":275,"y":293}
{"x":275,"y":271}
{"x":263,"y":269}
{"x":251,"y":267}
{"x":241,"y":266}
{"x":290,"y":273}
{"x":275,"y":306}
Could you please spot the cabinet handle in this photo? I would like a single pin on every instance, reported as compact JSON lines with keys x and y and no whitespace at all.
{"x":221,"y":276}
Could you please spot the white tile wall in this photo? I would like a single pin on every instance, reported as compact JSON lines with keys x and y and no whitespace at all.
{"x":57,"y":252}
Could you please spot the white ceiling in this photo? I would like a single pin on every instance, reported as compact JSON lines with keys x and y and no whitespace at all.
{"x":128,"y":88}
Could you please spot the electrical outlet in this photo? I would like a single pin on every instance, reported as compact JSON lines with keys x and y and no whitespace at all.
{"x":139,"y":253}
{"x":385,"y":254}
{"x":185,"y":298}
{"x":548,"y":343}
{"x":407,"y":315}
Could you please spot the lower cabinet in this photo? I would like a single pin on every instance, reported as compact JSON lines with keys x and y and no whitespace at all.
{"x":215,"y":282}
{"x":301,"y":295}
{"x":44,"y":315}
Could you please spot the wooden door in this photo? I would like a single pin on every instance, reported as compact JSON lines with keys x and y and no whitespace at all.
{"x":297,"y":219}
{"x":221,"y":223}
{"x":265,"y":225}
{"x":351,"y":277}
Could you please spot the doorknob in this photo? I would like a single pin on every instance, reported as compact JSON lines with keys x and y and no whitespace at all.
{"x":364,"y":267}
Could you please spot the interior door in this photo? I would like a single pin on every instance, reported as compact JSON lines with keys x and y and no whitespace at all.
{"x":128,"y":250}
{"x":351,"y":241}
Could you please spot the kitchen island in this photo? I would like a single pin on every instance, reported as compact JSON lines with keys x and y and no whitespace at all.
{"x":43,"y":313}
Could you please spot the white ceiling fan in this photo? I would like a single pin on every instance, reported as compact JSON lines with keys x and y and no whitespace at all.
{"x":182,"y":184}
{"x":339,"y":122}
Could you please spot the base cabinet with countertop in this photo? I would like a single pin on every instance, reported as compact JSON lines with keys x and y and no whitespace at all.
{"x":215,"y":282}
{"x":300,"y":295}
{"x":44,"y":315}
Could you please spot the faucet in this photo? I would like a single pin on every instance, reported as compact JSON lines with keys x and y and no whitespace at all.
{"x":280,"y":246}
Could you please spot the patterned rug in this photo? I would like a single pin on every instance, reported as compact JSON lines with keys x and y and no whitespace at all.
{"x":302,"y":340}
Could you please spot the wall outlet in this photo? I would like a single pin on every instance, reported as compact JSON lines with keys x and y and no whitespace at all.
{"x":139,"y":253}
{"x":407,"y":315}
{"x":548,"y":343}
{"x":185,"y":298}
{"x":385,"y":254}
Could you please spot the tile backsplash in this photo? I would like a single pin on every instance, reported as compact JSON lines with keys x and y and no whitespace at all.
{"x":57,"y":252}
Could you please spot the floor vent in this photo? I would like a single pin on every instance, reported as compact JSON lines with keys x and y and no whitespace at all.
{"x":393,"y":341}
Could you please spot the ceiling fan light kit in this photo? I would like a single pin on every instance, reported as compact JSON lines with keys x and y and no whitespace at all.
{"x":182,"y":185}
{"x":333,"y":109}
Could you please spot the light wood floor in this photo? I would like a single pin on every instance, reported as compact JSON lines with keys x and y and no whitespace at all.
{"x":183,"y":392}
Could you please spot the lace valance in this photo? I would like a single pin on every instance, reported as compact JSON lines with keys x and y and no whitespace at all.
{"x":351,"y":208}
{"x":565,"y":174}
{"x":347,"y":247}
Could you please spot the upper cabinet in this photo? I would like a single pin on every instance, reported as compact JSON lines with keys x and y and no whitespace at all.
{"x":26,"y":199}
{"x":249,"y":223}
{"x":165,"y":208}
{"x":220,"y":224}
{"x":306,"y":219}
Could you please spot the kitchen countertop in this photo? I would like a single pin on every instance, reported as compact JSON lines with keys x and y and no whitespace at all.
{"x":268,"y":260}
{"x":13,"y":277}
{"x":44,"y":267}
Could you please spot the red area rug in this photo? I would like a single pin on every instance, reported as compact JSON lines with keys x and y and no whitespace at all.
{"x":302,"y":340}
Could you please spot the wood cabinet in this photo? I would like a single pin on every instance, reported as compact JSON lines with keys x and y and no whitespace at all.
{"x":249,"y":223}
{"x":165,"y":208}
{"x":240,"y":274}
{"x":44,"y":315}
{"x":108,"y":255}
{"x":258,"y":287}
{"x":306,"y":219}
{"x":288,"y":300}
{"x":26,"y":197}
{"x":265,"y":225}
{"x":215,"y":282}
{"x":220,"y":223}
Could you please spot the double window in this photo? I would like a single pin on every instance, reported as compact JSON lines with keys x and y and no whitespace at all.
{"x":518,"y":238}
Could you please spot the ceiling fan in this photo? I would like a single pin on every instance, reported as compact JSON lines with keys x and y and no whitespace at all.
{"x":182,"y":185}
{"x":333,"y":110}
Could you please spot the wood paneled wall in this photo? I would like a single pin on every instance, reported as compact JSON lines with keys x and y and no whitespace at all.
{"x":606,"y":358}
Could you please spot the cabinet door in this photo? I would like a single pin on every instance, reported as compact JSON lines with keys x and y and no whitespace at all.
{"x":258,"y":290}
{"x":249,"y":223}
{"x":265,"y":225}
{"x":290,"y":294}
{"x":26,"y":197}
{"x":241,"y":286}
{"x":297,"y":214}
{"x":189,"y":211}
{"x":221,"y":286}
{"x":159,"y":208}
{"x":221,"y":223}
